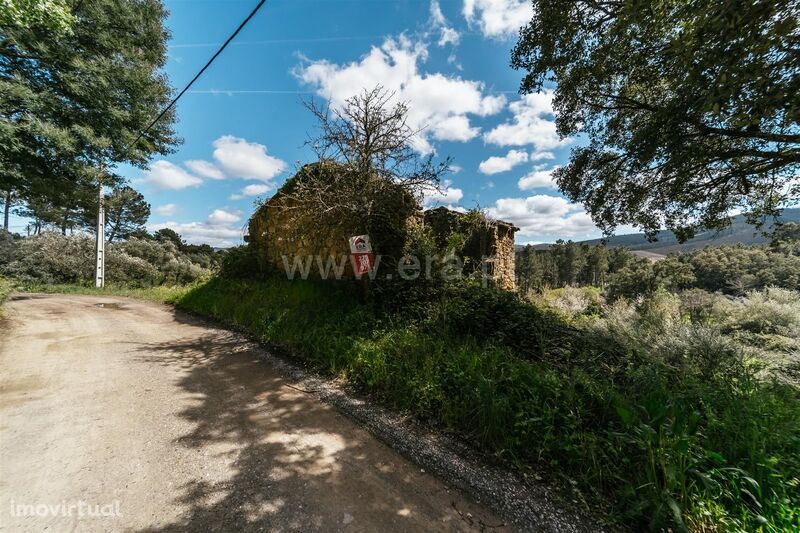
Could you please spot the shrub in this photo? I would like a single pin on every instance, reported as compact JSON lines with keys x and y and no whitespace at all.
{"x":54,"y":258}
{"x":500,"y":317}
{"x":241,"y":262}
{"x":170,"y":264}
{"x":5,"y":289}
{"x":123,"y":268}
{"x":571,"y":301}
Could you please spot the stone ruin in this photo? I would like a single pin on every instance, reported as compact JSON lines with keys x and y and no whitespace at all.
{"x":491,"y":241}
{"x":282,"y":228}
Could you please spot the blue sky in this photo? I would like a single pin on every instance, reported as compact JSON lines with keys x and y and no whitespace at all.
{"x":244,"y":125}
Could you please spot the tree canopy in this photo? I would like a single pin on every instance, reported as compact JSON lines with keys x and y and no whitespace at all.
{"x":126,"y":212}
{"x":689,"y":109}
{"x":72,"y":100}
{"x":55,"y":15}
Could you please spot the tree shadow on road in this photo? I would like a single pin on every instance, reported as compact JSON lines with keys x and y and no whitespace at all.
{"x":271,"y":457}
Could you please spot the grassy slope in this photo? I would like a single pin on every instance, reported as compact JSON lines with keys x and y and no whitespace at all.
{"x":667,"y":450}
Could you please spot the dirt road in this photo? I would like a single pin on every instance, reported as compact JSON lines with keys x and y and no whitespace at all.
{"x":149,"y":417}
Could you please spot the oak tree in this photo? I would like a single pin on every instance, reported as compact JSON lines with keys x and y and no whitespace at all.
{"x":689,"y":110}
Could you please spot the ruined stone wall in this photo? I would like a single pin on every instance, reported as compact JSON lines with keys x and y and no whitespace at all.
{"x":505,"y":254}
{"x":282,"y":229}
{"x":489,"y":240}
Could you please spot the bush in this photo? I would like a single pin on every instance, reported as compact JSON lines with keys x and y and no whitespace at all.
{"x":52,"y":258}
{"x":500,"y":317}
{"x":571,"y":301}
{"x":5,"y":289}
{"x":241,"y":262}
{"x":170,"y":264}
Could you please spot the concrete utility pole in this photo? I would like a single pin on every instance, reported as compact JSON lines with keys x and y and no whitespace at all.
{"x":100,"y":249}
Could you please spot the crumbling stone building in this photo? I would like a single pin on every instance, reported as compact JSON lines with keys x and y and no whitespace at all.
{"x":284,"y":228}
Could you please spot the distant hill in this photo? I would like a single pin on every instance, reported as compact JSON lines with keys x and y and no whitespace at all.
{"x":738,"y":232}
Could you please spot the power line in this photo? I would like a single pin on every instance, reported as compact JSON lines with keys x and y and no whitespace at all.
{"x":200,"y":73}
{"x":283,"y":41}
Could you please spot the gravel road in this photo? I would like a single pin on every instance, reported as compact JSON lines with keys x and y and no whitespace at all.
{"x":117,"y":414}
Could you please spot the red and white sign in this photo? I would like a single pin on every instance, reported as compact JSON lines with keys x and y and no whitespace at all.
{"x":362,"y":263}
{"x":360,"y":244}
{"x":361,"y":255}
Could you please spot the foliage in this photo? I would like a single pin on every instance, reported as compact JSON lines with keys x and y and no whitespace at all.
{"x":5,"y":290}
{"x":126,"y":212}
{"x":570,"y":301}
{"x":689,"y":108}
{"x":171,"y":265}
{"x":74,"y":103}
{"x":8,"y":246}
{"x":169,"y":235}
{"x":53,"y":16}
{"x":240,"y":262}
{"x":54,"y":258}
{"x":670,"y":419}
{"x":568,"y":263}
{"x":730,"y":269}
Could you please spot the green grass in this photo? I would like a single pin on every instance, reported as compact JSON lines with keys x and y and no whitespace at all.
{"x":670,"y":447}
{"x":160,"y":293}
{"x":6,"y":288}
{"x":682,"y":446}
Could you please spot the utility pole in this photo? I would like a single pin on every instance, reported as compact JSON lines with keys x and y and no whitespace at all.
{"x":100,"y":248}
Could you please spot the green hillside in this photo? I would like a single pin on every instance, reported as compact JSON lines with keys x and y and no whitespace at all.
{"x":666,"y":242}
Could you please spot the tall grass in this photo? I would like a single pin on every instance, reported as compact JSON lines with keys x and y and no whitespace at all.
{"x":669,"y":421}
{"x":6,"y":288}
{"x":158,"y":293}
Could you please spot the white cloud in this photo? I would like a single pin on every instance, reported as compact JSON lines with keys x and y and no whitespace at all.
{"x":456,"y":208}
{"x":239,"y":158}
{"x":446,"y":196}
{"x":454,"y":128}
{"x":545,"y":216}
{"x":256,"y":189}
{"x":221,"y":217}
{"x":439,"y":103}
{"x":447,"y":34}
{"x":529,"y":125}
{"x":166,"y":210}
{"x":235,"y":158}
{"x":496,"y":164}
{"x":538,"y":156}
{"x":498,"y":18}
{"x":222,"y":228}
{"x":165,"y":175}
{"x":202,"y":233}
{"x":205,"y":169}
{"x":538,"y":177}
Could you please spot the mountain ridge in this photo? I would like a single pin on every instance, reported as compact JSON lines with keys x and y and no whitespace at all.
{"x":739,"y":232}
